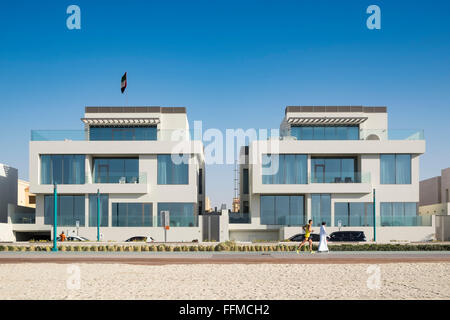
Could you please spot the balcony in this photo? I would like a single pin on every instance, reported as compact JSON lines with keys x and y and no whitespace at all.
{"x":83,"y":135}
{"x":23,"y":218}
{"x":405,"y":221}
{"x":339,"y":177}
{"x":238,"y":217}
{"x":364,"y":134}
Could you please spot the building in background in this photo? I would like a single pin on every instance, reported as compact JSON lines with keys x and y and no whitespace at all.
{"x":324,"y":166}
{"x":24,"y":197}
{"x":435,"y":194}
{"x":140,"y":160}
{"x":236,"y":205}
{"x":208,"y":205}
{"x":8,"y":190}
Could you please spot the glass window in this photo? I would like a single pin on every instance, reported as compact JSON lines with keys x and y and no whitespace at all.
{"x":123,"y":133}
{"x":282,"y":210}
{"x":116,"y":170}
{"x":70,"y":209}
{"x":200,"y":181}
{"x":62,"y":169}
{"x":334,"y":170}
{"x":180,"y":214}
{"x":321,"y":208}
{"x":325,"y":132}
{"x":354,"y":214}
{"x":103,"y":210}
{"x":319,"y":133}
{"x":395,"y":169}
{"x":284,"y":169}
{"x":132,"y":214}
{"x":170,"y":172}
{"x":245,"y":181}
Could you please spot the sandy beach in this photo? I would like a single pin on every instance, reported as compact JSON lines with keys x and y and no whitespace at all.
{"x":231,"y":281}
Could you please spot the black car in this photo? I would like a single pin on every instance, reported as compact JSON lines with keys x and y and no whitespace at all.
{"x":347,"y":236}
{"x":299,"y":237}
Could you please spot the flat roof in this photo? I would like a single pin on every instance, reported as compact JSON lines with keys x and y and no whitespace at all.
{"x":150,"y":109}
{"x":335,"y":109}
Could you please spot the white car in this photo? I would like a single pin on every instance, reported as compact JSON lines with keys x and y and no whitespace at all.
{"x":140,"y":239}
{"x":73,"y":238}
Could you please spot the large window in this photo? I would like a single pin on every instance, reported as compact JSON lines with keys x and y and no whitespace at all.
{"x":70,"y":210}
{"x":326,"y":133}
{"x":353,"y":214}
{"x":103,"y":210}
{"x":116,"y":170}
{"x":334,"y":170}
{"x":395,"y":168}
{"x":284,"y":169}
{"x":321,"y":209}
{"x":170,"y":172}
{"x":282,"y":210}
{"x":132,"y":214}
{"x":181,"y":214}
{"x":122,"y":133}
{"x":245,"y":181}
{"x":402,"y":214}
{"x":62,"y":169}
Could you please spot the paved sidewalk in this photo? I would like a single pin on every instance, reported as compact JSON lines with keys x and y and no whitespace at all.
{"x":163,"y":258}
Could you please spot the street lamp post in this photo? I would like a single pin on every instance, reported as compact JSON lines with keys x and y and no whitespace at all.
{"x":55,"y":218}
{"x":98,"y":214}
{"x":374,"y":218}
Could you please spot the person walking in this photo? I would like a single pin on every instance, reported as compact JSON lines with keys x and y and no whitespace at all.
{"x":308,"y":229}
{"x":62,"y":236}
{"x":323,"y":244}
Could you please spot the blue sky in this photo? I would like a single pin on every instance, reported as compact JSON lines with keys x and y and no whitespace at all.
{"x":233,"y":64}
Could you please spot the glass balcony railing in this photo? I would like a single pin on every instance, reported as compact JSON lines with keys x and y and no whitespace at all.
{"x":413,"y":221}
{"x":118,"y":178}
{"x":338,"y":177}
{"x":364,"y":134}
{"x":23,"y":218}
{"x":83,"y":135}
{"x":238,"y":217}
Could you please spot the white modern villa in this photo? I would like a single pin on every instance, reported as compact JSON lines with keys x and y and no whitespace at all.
{"x":140,"y":160}
{"x":326,"y":165}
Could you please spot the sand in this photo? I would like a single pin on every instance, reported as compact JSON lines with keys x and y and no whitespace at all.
{"x":232,"y":281}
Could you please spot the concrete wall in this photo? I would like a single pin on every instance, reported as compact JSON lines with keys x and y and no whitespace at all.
{"x":6,"y":233}
{"x":445,"y":185}
{"x":430,"y":191}
{"x":8,"y":190}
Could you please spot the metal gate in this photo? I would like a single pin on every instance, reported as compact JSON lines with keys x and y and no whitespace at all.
{"x":442,"y":228}
{"x":211,"y":226}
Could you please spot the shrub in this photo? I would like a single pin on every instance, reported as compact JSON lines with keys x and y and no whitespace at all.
{"x":48,"y":248}
{"x":119,"y":248}
{"x":69,"y":248}
{"x":94,"y":248}
{"x":161,"y":248}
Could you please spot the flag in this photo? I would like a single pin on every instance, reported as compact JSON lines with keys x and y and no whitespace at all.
{"x":123,"y":84}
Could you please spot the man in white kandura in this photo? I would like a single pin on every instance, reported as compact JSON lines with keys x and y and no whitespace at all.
{"x":323,"y":246}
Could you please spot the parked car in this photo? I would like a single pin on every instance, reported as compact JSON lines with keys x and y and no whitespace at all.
{"x":347,"y":236}
{"x":299,"y":237}
{"x":73,"y":238}
{"x":140,"y":239}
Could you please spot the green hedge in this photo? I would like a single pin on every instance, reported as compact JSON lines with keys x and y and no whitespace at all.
{"x":229,"y":246}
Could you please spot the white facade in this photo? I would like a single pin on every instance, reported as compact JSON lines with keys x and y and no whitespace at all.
{"x":374,"y":140}
{"x":172,"y":138}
